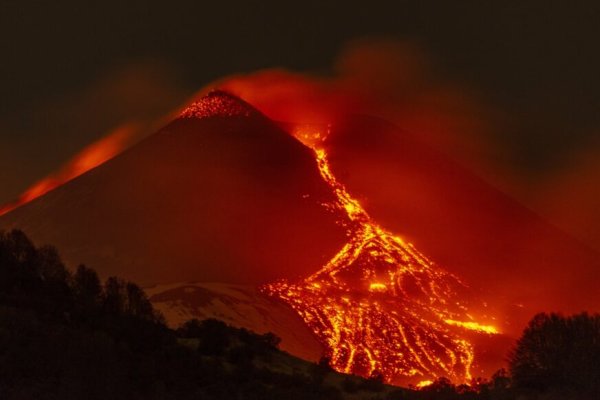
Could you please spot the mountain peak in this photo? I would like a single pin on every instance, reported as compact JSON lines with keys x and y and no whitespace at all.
{"x":218,"y":103}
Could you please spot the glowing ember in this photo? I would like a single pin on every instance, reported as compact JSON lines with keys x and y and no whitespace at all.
{"x":380,"y":306}
{"x":217,"y":104}
{"x":377,"y":287}
{"x":474,"y":326}
{"x":424,"y":383}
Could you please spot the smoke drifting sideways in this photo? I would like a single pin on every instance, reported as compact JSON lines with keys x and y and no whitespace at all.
{"x":90,"y":157}
{"x":390,"y":79}
{"x":468,"y":227}
{"x":45,"y":138}
{"x":397,"y":81}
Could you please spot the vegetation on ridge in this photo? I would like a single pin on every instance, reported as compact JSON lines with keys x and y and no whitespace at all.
{"x":67,"y":335}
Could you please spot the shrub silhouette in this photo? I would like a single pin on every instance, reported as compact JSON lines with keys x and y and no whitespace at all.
{"x":558,"y":353}
{"x":67,"y":336}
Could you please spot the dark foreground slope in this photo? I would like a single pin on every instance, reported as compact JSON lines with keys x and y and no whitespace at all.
{"x":220,"y":194}
{"x":68,"y":336}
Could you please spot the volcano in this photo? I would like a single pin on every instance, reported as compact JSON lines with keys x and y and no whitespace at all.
{"x":220,"y":194}
{"x":365,"y":244}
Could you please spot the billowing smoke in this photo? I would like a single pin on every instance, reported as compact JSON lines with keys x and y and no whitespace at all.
{"x":389,"y":79}
{"x":398,"y":82}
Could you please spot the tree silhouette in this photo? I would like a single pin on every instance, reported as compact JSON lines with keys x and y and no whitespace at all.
{"x":67,"y":336}
{"x":557,"y":352}
{"x":214,"y":337}
{"x":86,"y":287}
{"x":137,"y":303}
{"x":17,"y":257}
{"x":114,"y":296}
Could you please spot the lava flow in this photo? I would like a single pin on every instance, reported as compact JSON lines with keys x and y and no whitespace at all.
{"x":90,"y":157}
{"x":379,"y":306}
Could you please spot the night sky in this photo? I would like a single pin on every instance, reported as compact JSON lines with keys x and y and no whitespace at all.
{"x":72,"y":71}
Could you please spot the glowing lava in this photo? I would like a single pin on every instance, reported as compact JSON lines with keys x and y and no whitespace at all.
{"x":380,"y":306}
{"x":89,"y":158}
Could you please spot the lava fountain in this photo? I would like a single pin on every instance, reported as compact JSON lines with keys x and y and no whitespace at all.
{"x":379,"y":306}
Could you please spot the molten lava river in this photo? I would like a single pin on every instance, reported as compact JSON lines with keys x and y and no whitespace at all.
{"x":379,"y":306}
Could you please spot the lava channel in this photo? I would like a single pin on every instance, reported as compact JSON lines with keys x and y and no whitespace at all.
{"x":379,"y":306}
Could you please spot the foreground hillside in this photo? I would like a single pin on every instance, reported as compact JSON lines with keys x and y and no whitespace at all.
{"x":67,"y":335}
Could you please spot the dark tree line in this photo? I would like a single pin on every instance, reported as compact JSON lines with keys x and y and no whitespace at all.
{"x":556,"y":357}
{"x":35,"y":278}
{"x":67,"y":335}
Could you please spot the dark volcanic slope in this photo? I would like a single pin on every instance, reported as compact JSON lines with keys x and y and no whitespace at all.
{"x":221,"y":194}
{"x":489,"y":240}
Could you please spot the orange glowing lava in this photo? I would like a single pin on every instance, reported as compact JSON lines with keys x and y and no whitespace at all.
{"x":424,"y":383}
{"x":379,"y":305}
{"x":90,"y":157}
